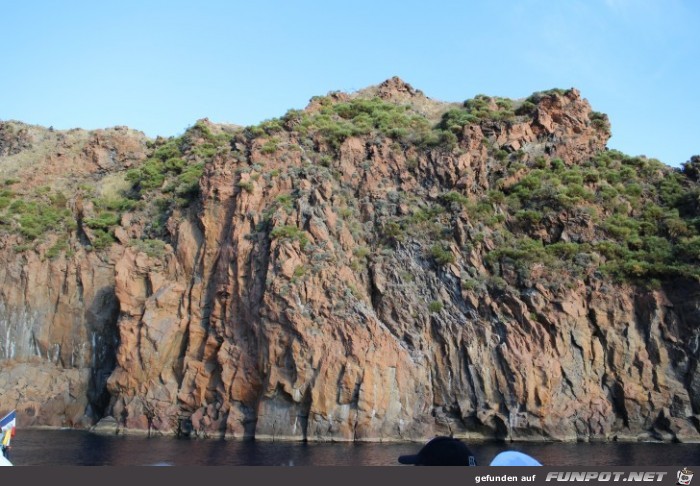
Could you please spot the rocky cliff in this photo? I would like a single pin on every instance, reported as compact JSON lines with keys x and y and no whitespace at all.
{"x":377,"y":266}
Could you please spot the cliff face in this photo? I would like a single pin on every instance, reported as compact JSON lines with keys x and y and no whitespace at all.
{"x":58,"y":311}
{"x":351,"y":272}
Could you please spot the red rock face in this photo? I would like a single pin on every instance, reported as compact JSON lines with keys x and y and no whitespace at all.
{"x":58,"y":314}
{"x":303,"y":320}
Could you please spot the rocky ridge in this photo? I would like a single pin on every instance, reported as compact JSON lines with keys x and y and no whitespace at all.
{"x":377,"y":266}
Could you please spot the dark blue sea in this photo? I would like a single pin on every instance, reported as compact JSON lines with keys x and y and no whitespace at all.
{"x":81,"y":448}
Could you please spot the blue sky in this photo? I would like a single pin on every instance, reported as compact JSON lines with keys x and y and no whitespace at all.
{"x":158,"y":66}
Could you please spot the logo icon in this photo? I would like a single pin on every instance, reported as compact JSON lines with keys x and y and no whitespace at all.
{"x":684,"y":476}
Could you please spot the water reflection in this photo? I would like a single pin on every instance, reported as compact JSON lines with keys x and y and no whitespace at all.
{"x":67,"y":447}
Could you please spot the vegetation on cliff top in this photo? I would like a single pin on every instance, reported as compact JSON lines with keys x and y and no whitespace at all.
{"x":636,"y":215}
{"x":630,"y":217}
{"x":636,"y":218}
{"x":87,"y":212}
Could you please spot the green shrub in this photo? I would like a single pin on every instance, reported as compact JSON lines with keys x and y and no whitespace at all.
{"x":691,"y":168}
{"x":299,"y":271}
{"x":529,"y":216}
{"x":689,"y":249}
{"x":557,"y":165}
{"x":104,"y":221}
{"x":442,"y":254}
{"x":600,"y":121}
{"x":187,"y":183}
{"x":591,"y":176}
{"x":338,"y":121}
{"x":174,"y":165}
{"x":423,"y":214}
{"x":361,"y":252}
{"x":204,"y":151}
{"x":455,"y":197}
{"x":563,"y":250}
{"x":675,"y":227}
{"x":455,"y":120}
{"x":495,"y":197}
{"x":285,"y":201}
{"x":169,"y":150}
{"x":526,"y":108}
{"x":246,"y":186}
{"x":435,"y":306}
{"x":393,"y":232}
{"x":606,"y":192}
{"x":37,"y":218}
{"x":497,"y":283}
{"x":269,"y":147}
{"x":22,"y":248}
{"x":101,"y":239}
{"x":168,"y":168}
{"x":56,"y":249}
{"x":290,"y":233}
{"x":470,"y":284}
{"x":537,"y":96}
{"x":154,"y":248}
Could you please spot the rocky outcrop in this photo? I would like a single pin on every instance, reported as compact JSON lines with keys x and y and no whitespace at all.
{"x":13,"y":139}
{"x":58,"y":312}
{"x":303,"y":298}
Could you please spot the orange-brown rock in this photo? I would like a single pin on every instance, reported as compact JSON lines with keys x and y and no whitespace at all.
{"x":280,"y":308}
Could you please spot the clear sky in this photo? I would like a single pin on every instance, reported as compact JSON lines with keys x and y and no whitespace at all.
{"x":158,"y":66}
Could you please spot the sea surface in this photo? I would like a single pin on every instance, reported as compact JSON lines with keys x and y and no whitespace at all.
{"x":80,"y":448}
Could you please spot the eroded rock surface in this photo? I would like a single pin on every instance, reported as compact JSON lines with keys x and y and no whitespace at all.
{"x":292,"y":301}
